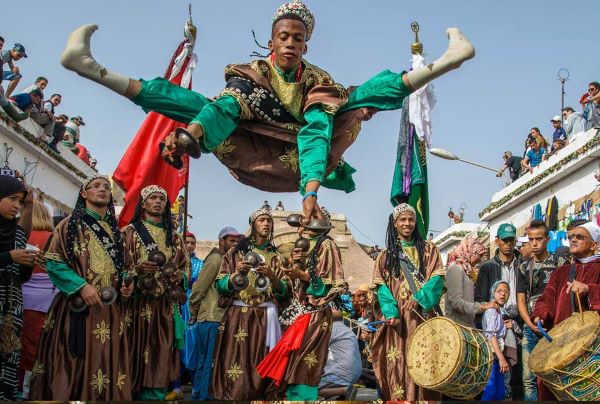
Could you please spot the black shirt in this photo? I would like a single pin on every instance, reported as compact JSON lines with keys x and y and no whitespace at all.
{"x":540,"y":277}
{"x":514,"y":167}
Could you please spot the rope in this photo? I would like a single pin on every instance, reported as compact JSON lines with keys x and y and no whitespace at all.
{"x":357,"y":229}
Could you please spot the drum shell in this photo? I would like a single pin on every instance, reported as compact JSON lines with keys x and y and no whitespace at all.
{"x":471,"y":371}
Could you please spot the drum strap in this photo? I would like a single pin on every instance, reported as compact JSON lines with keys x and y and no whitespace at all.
{"x":572,"y":273}
{"x":406,"y":266}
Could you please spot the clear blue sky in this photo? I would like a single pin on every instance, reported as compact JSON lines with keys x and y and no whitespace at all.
{"x":486,"y":107}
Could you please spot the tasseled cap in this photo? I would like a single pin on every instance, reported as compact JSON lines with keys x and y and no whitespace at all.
{"x":403,"y":207}
{"x":260,"y":212}
{"x":298,"y":9}
{"x":151,"y":189}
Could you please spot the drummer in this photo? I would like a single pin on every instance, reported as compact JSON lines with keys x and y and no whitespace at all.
{"x":556,"y":303}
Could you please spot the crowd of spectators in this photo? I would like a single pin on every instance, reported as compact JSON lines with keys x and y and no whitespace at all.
{"x":537,"y":148}
{"x":31,"y":103}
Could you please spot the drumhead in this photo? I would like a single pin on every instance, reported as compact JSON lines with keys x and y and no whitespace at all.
{"x":570,"y":338}
{"x":435,"y":351}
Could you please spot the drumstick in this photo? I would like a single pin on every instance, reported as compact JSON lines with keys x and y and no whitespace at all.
{"x":579,"y":304}
{"x":542,"y":331}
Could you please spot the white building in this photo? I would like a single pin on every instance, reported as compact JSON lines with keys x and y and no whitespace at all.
{"x":57,"y":177}
{"x":569,"y":176}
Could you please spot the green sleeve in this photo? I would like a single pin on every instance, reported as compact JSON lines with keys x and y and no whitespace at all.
{"x":385,"y":91}
{"x":64,"y":278}
{"x":431,"y":293}
{"x":223,"y":286}
{"x":313,"y":145}
{"x":387,"y":303}
{"x":283,"y":294}
{"x":321,"y":290}
{"x":218,"y":119}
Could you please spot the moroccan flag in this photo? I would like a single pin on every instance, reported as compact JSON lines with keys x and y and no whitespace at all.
{"x":142,"y":164}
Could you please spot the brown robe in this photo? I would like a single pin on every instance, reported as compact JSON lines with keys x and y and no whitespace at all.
{"x":154,"y":359}
{"x":306,"y":364}
{"x":273,"y":164}
{"x":389,"y":345}
{"x":240,"y":344}
{"x":103,"y":372}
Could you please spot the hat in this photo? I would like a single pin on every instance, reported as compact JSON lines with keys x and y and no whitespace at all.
{"x":20,"y":48}
{"x":593,"y":229}
{"x":506,"y":230}
{"x":260,"y":212}
{"x":300,"y":11}
{"x":151,"y":189}
{"x":10,"y":186}
{"x":80,"y":120}
{"x":228,"y":231}
{"x":190,"y":234}
{"x":555,"y":119}
{"x":522,"y":240}
{"x":37,"y":91}
{"x":401,"y":208}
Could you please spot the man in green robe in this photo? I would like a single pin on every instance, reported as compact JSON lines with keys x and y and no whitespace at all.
{"x":281,"y":124}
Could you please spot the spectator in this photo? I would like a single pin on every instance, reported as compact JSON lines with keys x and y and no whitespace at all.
{"x":9,"y":57}
{"x":279,"y":206}
{"x":266,"y":205}
{"x":559,"y":131}
{"x":40,"y":83}
{"x":536,"y":135}
{"x":59,"y":121}
{"x":83,"y":153}
{"x":513,"y":163}
{"x":524,"y":248}
{"x":71,"y":135}
{"x":574,"y":122}
{"x":31,"y":102}
{"x":38,"y":294}
{"x":533,"y":276}
{"x":93,"y":163}
{"x":557,"y":145}
{"x":592,"y":106}
{"x":344,"y":365}
{"x":459,"y":300}
{"x":10,"y":110}
{"x":534,"y":156}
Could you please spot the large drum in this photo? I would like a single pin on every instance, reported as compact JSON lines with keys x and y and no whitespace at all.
{"x":570,"y":364}
{"x":449,"y":358}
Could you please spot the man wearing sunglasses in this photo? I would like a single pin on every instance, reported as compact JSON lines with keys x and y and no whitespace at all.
{"x":582,"y":277}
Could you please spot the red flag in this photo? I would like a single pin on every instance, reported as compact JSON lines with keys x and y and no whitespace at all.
{"x":142,"y":164}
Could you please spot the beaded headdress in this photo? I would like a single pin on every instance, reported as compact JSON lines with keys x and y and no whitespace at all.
{"x":259,"y":212}
{"x":299,"y":10}
{"x":403,"y":207}
{"x":150,"y":189}
{"x":89,"y":179}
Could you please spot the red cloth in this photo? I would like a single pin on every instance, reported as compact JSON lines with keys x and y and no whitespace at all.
{"x":39,"y":238}
{"x":142,"y":164}
{"x":83,"y":153}
{"x":275,"y":363}
{"x":33,"y":322}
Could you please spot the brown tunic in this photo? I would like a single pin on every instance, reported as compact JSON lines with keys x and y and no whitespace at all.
{"x":103,"y":372}
{"x":389,"y":345}
{"x":240,"y":344}
{"x":154,"y":359}
{"x":306,"y":365}
{"x":273,"y":165}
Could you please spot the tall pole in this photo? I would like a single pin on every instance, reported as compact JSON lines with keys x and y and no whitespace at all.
{"x":563,"y":76}
{"x":187,"y":201}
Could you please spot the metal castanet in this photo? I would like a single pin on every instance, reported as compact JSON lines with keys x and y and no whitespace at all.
{"x":158,"y":257}
{"x":187,"y":143}
{"x":108,"y":295}
{"x":77,"y":305}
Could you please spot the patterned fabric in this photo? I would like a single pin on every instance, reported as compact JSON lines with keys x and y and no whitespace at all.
{"x":259,"y":212}
{"x":298,"y":9}
{"x":150,"y":189}
{"x":197,"y":264}
{"x":87,"y":182}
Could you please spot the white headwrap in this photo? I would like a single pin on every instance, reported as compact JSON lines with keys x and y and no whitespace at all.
{"x":593,"y":229}
{"x":403,"y":207}
{"x":151,"y":189}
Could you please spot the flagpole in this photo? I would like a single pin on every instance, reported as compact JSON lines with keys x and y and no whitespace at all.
{"x":187,"y":202}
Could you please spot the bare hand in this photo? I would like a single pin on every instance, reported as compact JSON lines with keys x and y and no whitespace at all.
{"x":24,"y":257}
{"x":489,"y":305}
{"x":577,"y":287}
{"x":126,"y":291}
{"x":242,"y":267}
{"x":298,"y":255}
{"x":311,"y":210}
{"x":177,"y":277}
{"x":29,"y":198}
{"x":409,"y":304}
{"x":394,"y":322}
{"x":499,"y":174}
{"x":296,"y":273}
{"x":535,"y":327}
{"x":508,"y":324}
{"x":504,"y":368}
{"x":15,"y":70}
{"x":147,"y":267}
{"x":90,"y":295}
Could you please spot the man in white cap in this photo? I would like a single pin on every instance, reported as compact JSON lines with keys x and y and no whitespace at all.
{"x":559,"y":131}
{"x":582,"y":277}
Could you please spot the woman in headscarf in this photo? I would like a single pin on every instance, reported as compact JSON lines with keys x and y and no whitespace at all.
{"x":16,"y":264}
{"x":461,"y":274}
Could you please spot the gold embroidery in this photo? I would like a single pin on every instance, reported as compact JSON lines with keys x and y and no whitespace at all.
{"x":53,"y":256}
{"x":102,"y":332}
{"x":291,"y":95}
{"x":121,"y":329}
{"x":354,"y":131}
{"x":392,"y":354}
{"x":121,"y":379}
{"x":38,"y":368}
{"x":324,"y":325}
{"x":292,"y":127}
{"x":290,"y":159}
{"x":147,"y":313}
{"x":101,"y":269}
{"x":398,"y":392}
{"x":79,"y":248}
{"x":244,"y":309}
{"x":127,"y":319}
{"x":331,"y":109}
{"x":49,"y":321}
{"x":311,"y":360}
{"x":234,"y":372}
{"x":100,"y":382}
{"x":146,"y":356}
{"x":242,"y":99}
{"x":241,"y":335}
{"x":223,"y":149}
{"x":422,"y":150}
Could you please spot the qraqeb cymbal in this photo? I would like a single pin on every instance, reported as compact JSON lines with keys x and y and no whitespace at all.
{"x":108,"y":295}
{"x":158,"y":257}
{"x":318,"y":226}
